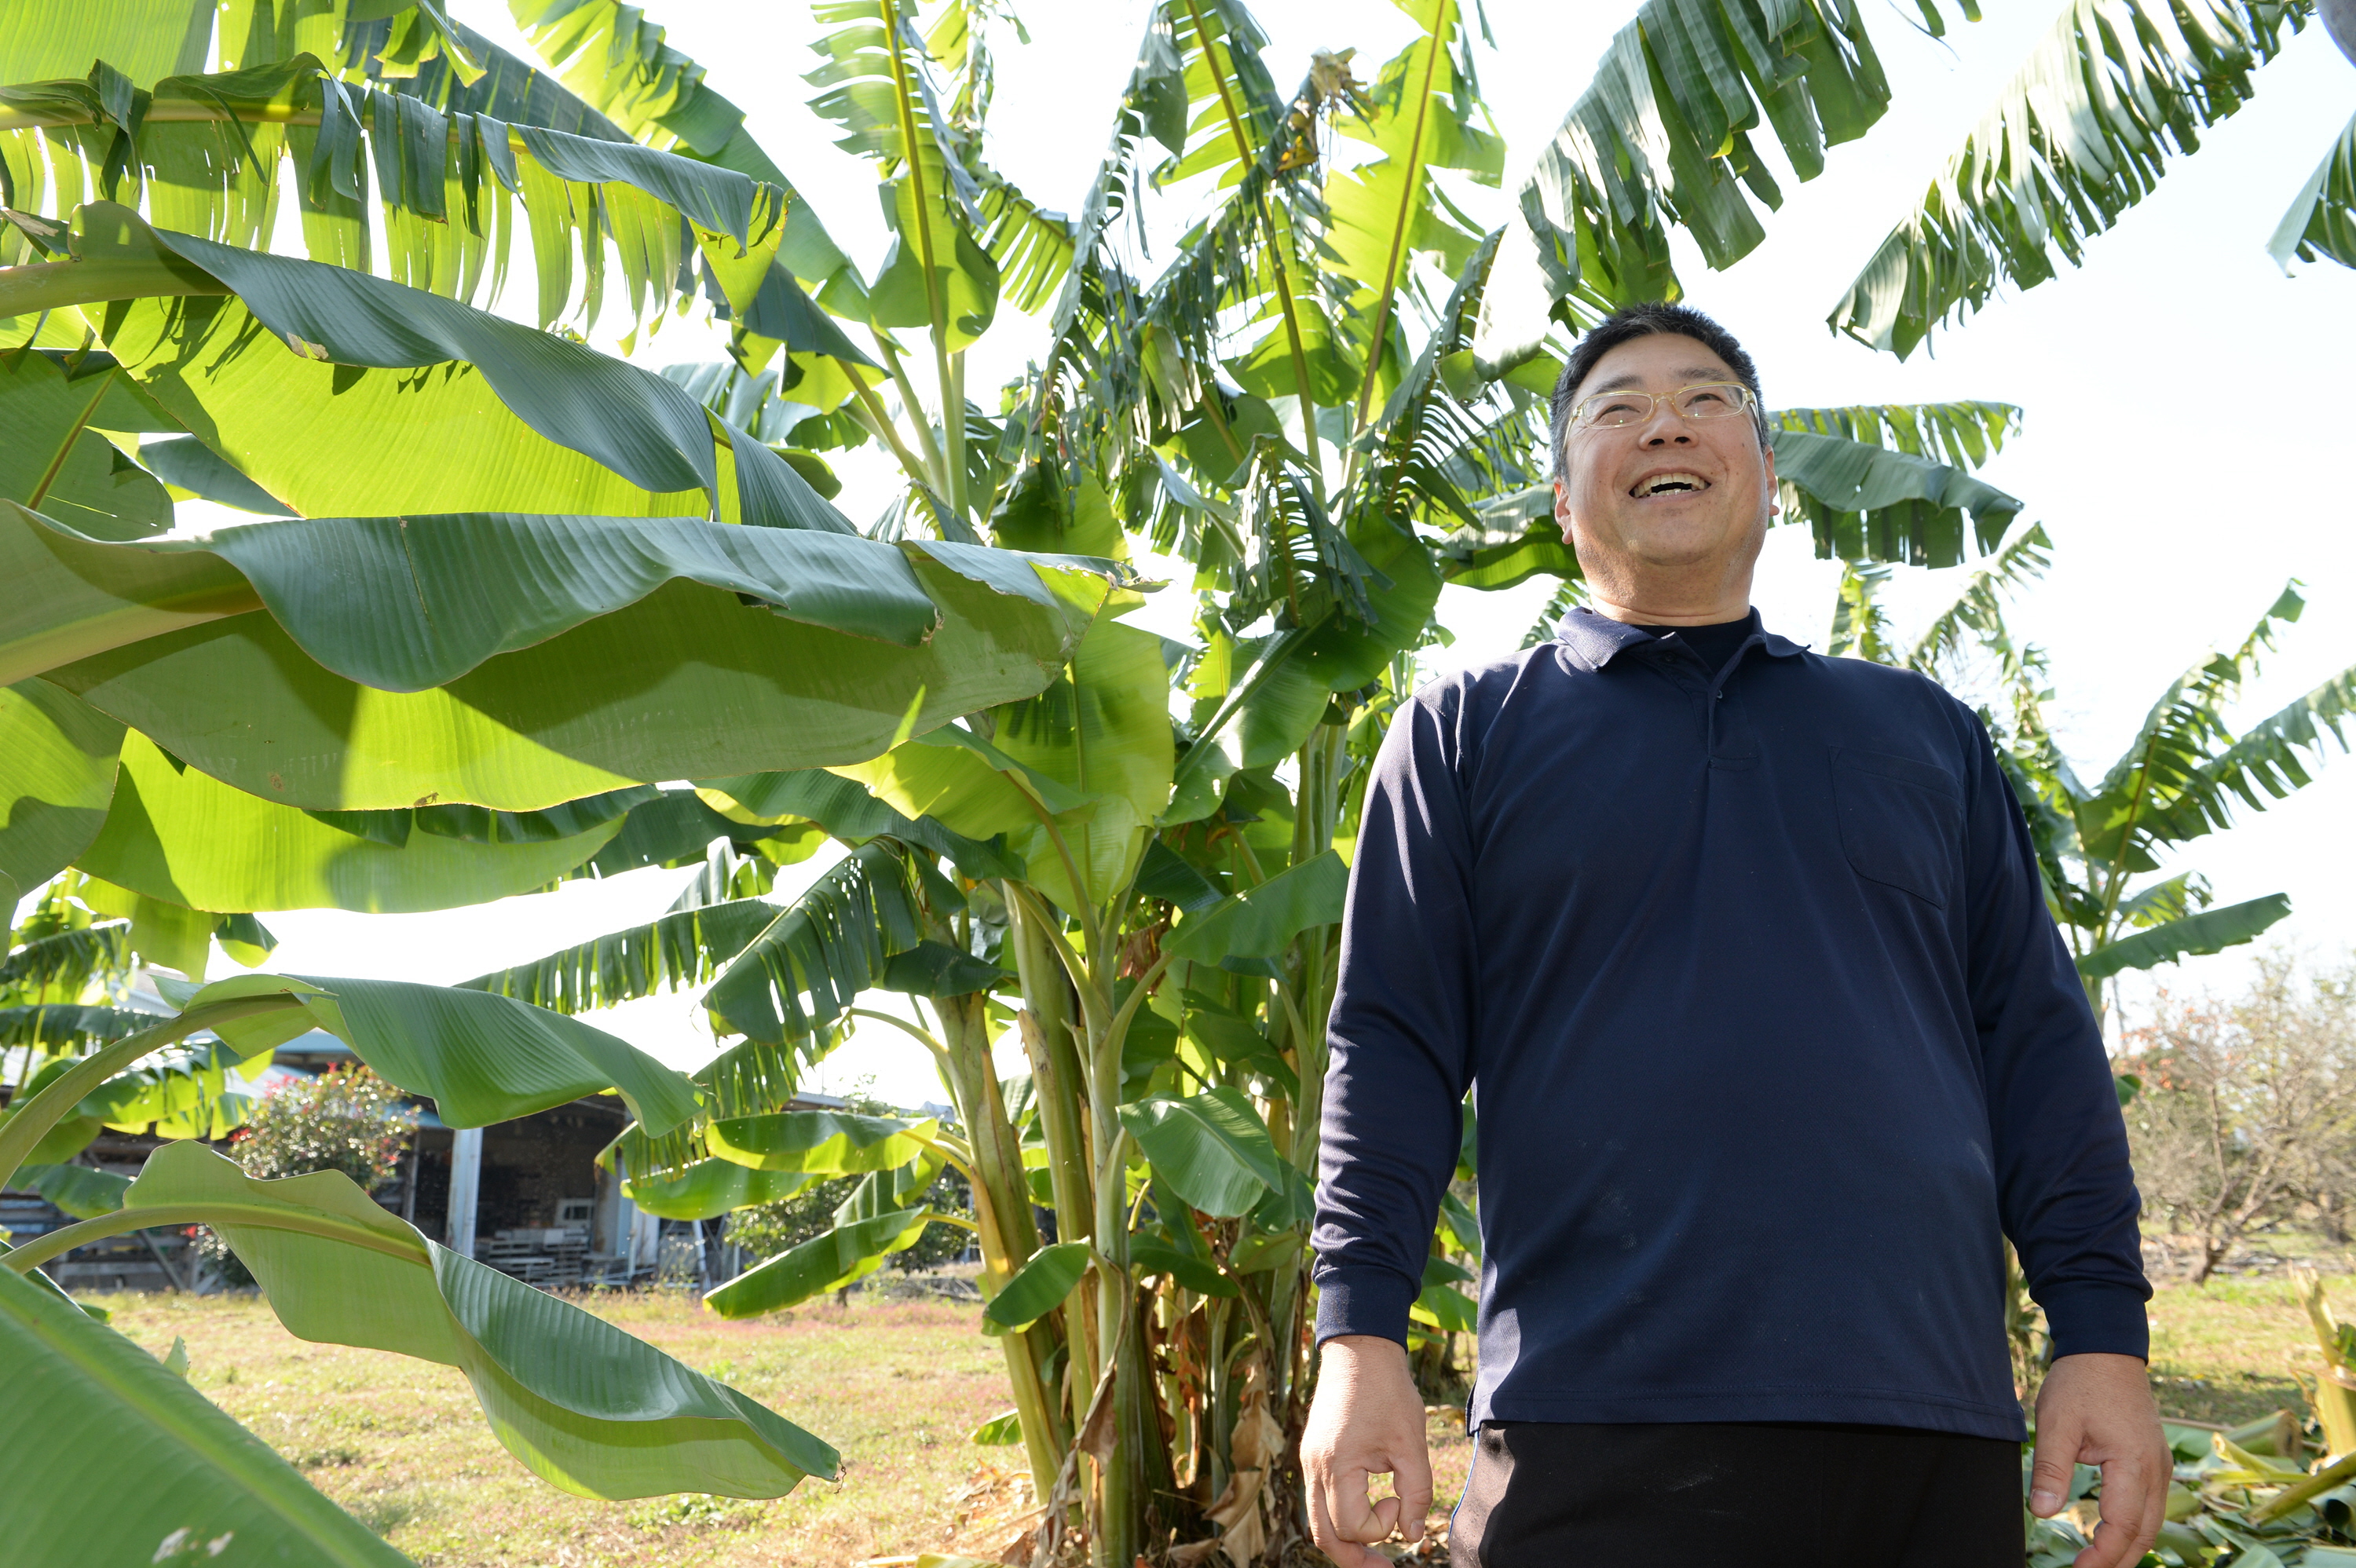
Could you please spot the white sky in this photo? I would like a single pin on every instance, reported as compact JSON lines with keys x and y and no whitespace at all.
{"x":2187,"y":425}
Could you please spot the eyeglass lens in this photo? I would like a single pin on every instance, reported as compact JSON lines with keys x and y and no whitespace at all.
{"x":1709,"y":400}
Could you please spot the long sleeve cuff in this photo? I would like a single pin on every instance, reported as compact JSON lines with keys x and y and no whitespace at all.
{"x":2088,"y":1319}
{"x":1364,"y":1298}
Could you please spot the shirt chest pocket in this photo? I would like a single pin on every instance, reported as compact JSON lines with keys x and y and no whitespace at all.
{"x":1901,"y":822}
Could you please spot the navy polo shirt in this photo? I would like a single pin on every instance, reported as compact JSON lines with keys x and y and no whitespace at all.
{"x":1771,"y":1037}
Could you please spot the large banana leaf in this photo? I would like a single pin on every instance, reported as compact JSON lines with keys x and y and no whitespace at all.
{"x":176,"y":834}
{"x":1260,"y":922}
{"x":146,"y":39}
{"x":834,"y":942}
{"x":824,"y":1263}
{"x":83,"y":1401}
{"x":2160,"y":787}
{"x":1633,"y":158}
{"x":54,"y":456}
{"x":57,"y":777}
{"x":707,"y":1188}
{"x":684,"y":948}
{"x":481,"y":1059}
{"x":2322,"y":219}
{"x":326,"y":711}
{"x":632,"y":421}
{"x":848,"y":812}
{"x":206,"y":152}
{"x":2261,"y":764}
{"x":1101,"y":729}
{"x":1876,"y":503}
{"x":1959,"y":434}
{"x":619,"y":62}
{"x":582,"y":1404}
{"x":2211,"y":931}
{"x":1420,"y":117}
{"x":484,"y":1059}
{"x":1211,"y":1148}
{"x":832,"y":1143}
{"x":2082,"y":132}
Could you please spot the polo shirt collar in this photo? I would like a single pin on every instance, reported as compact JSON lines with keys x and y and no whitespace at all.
{"x":1596,"y":640}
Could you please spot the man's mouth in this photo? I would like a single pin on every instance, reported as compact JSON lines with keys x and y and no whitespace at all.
{"x":1670,"y":485}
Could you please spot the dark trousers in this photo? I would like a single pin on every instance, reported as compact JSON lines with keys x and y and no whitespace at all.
{"x":1736,"y":1495}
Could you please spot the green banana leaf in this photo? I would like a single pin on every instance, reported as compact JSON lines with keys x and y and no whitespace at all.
{"x":834,"y":1143}
{"x":686,"y":947}
{"x":68,"y":959}
{"x":184,"y":463}
{"x":53,"y":1024}
{"x":84,"y":1401}
{"x":831,"y":943}
{"x":2211,"y":931}
{"x":711,"y":1188}
{"x":1259,"y":922}
{"x":327,"y":439}
{"x":82,"y":1192}
{"x":54,"y":456}
{"x":848,"y":812}
{"x":2322,"y":218}
{"x":582,"y":1404}
{"x":1101,"y":729}
{"x":1151,"y":1255}
{"x":145,"y":40}
{"x":823,"y":1264}
{"x":324,"y":711}
{"x":1873,"y":502}
{"x":1211,"y":1148}
{"x":484,"y":1058}
{"x":180,"y":834}
{"x":1630,"y":159}
{"x":57,"y":779}
{"x":627,"y":421}
{"x":1039,"y":1286}
{"x":965,"y":783}
{"x":162,"y":931}
{"x":2083,"y":131}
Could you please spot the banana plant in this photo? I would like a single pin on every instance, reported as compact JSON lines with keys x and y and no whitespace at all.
{"x":1146,"y":904}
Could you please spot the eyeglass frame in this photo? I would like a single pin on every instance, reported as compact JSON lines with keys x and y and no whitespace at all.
{"x":1746,"y":402}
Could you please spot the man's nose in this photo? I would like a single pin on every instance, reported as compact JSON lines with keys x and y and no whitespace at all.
{"x":1666,"y":427}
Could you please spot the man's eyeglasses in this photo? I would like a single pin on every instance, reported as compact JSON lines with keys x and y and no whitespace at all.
{"x":1702,"y":400}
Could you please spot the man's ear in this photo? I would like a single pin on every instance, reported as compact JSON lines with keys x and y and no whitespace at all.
{"x":1767,"y":456}
{"x":1562,"y":508}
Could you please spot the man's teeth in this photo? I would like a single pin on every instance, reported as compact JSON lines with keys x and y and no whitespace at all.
{"x":1666,"y":482}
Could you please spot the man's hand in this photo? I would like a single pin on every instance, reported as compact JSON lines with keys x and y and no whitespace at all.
{"x":1367,"y":1420}
{"x":2097,"y":1410}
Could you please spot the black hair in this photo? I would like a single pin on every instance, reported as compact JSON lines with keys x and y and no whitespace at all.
{"x":1643,"y":320}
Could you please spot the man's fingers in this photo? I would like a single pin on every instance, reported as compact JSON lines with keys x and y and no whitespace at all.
{"x":1412,"y":1480}
{"x":2057,"y":1460}
{"x":1321,"y":1530}
{"x":2135,"y":1501}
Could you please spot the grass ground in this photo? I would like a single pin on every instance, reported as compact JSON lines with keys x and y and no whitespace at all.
{"x":896,"y":1386}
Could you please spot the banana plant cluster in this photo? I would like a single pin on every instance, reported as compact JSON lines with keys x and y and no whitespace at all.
{"x":502,"y":587}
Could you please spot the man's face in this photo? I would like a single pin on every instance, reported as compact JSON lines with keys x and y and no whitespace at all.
{"x":1665,"y":494}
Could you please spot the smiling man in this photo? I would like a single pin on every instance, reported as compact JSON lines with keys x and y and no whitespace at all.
{"x":1743,"y":955}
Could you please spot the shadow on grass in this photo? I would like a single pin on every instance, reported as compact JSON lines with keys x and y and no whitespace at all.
{"x":2228,"y":1399}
